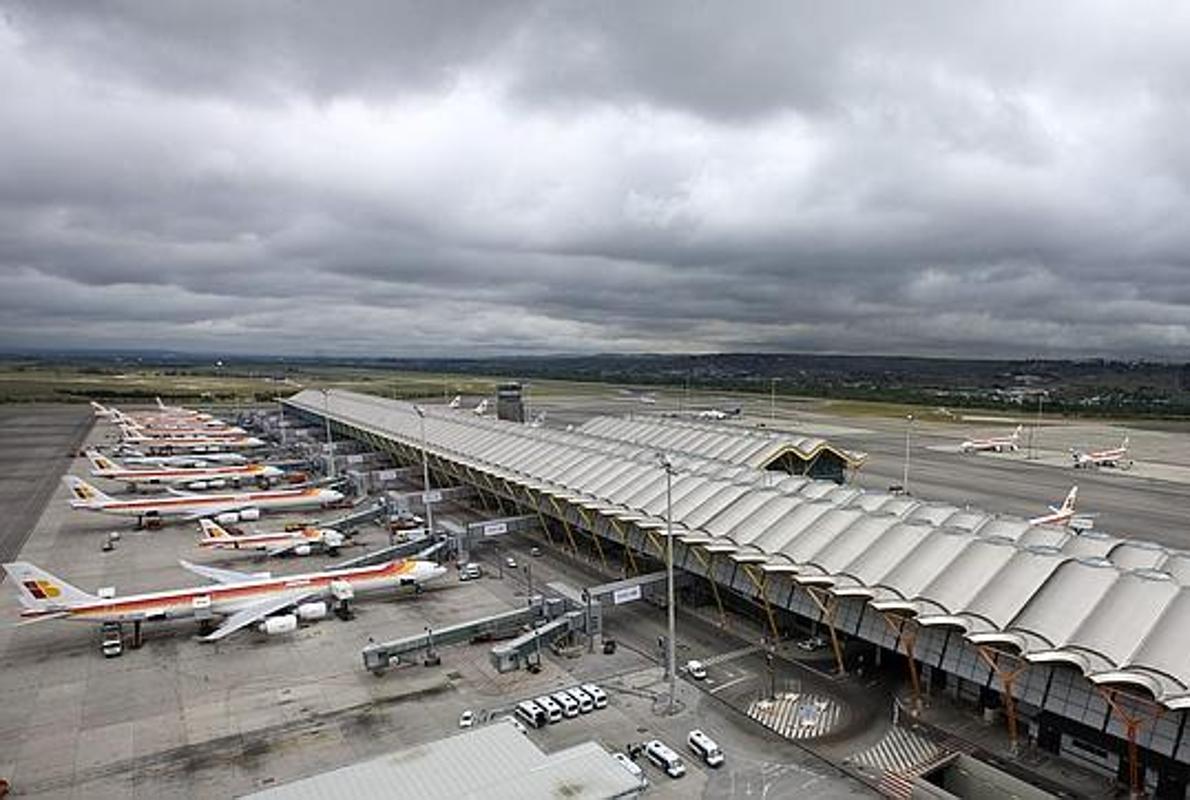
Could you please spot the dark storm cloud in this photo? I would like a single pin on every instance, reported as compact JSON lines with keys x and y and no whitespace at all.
{"x":454,"y":178}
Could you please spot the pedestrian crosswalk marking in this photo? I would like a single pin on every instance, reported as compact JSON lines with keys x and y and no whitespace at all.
{"x":796,"y":715}
{"x":902,"y":756}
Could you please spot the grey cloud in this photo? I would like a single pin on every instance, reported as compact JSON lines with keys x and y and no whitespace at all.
{"x":536,"y":177}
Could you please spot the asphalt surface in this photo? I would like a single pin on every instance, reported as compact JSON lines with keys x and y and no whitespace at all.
{"x":37,"y":443}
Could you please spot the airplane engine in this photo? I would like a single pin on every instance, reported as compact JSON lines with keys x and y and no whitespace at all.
{"x":302,"y":550}
{"x":308,"y":612}
{"x":332,"y":539}
{"x":197,"y":485}
{"x":218,"y":483}
{"x":282,"y":623}
{"x":250,"y":514}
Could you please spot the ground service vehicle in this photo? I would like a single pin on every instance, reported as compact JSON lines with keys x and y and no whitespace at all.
{"x":706,"y":749}
{"x":532,"y":714}
{"x":664,"y":758}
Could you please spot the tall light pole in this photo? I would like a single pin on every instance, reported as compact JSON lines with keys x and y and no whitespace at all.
{"x":670,"y":666}
{"x":330,"y":443}
{"x":281,"y":409}
{"x":1037,"y":427}
{"x":425,"y":473}
{"x":773,"y":400}
{"x":905,"y":477}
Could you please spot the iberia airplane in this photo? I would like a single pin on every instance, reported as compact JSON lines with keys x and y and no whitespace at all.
{"x":191,"y":442}
{"x":299,"y":543}
{"x":996,"y":443}
{"x":242,"y":599}
{"x":1115,"y":457}
{"x":208,"y":477}
{"x":227,"y":508}
{"x":1063,"y":514}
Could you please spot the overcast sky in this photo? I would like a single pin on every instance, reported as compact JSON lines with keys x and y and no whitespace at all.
{"x":472,"y":178}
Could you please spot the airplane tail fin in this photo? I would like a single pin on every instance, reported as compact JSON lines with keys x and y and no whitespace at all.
{"x":100,"y":409}
{"x":38,"y":590}
{"x":101,"y":463}
{"x":85,"y":495}
{"x":160,"y":404}
{"x":1017,"y":433}
{"x":1068,"y":503}
{"x":1124,"y":444}
{"x":212,"y":530}
{"x":457,"y":401}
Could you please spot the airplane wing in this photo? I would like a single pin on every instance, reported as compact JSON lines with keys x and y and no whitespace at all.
{"x":253,"y":613}
{"x":285,"y":548}
{"x":213,"y":510}
{"x":222,"y":575}
{"x":180,"y":493}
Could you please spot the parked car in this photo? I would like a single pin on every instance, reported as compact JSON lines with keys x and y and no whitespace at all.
{"x":510,"y":562}
{"x":696,"y":670}
{"x":467,"y":719}
{"x":535,"y":552}
{"x":470,"y":571}
{"x":811,"y":644}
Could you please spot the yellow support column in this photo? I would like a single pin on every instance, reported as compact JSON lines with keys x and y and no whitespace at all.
{"x":708,"y":563}
{"x":828,"y":606}
{"x":761,"y":585}
{"x":582,"y":512}
{"x":565,"y":525}
{"x":630,"y":559}
{"x":908,"y":638}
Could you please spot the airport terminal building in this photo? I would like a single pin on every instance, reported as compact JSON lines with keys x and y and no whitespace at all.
{"x":1079,"y":640}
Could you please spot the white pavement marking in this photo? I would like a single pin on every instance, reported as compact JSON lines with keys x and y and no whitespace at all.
{"x":797,"y":716}
{"x":719,"y":658}
{"x":723,"y":686}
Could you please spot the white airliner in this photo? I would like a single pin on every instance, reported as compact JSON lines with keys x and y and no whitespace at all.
{"x":137,"y":458}
{"x":1115,"y":457}
{"x":299,"y":543}
{"x":1065,"y":514}
{"x":998,"y":444}
{"x":191,"y":443}
{"x":226,"y":508}
{"x":274,"y":605}
{"x":206,"y":477}
{"x":716,"y":413}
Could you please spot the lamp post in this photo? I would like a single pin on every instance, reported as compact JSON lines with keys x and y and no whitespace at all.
{"x":773,"y":400}
{"x":905,"y":477}
{"x":425,"y":473}
{"x":330,"y":442}
{"x":670,"y":667}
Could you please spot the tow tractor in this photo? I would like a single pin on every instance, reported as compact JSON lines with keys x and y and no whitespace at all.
{"x":113,"y":639}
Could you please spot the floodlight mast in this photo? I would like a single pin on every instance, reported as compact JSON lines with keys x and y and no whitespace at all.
{"x":425,"y":472}
{"x":670,"y":667}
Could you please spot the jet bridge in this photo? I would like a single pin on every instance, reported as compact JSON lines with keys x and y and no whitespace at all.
{"x":379,"y":656}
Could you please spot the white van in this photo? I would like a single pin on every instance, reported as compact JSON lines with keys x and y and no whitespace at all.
{"x":664,"y":758}
{"x":553,"y":711}
{"x":585,"y":704}
{"x":532,"y":714}
{"x":568,"y":703}
{"x":597,"y":695}
{"x":704,"y":746}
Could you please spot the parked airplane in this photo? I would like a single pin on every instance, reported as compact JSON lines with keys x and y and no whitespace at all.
{"x":226,"y":508}
{"x":996,"y":444}
{"x":137,"y":458}
{"x":716,"y":413}
{"x":481,"y":409}
{"x":1065,"y":514}
{"x":209,"y":477}
{"x":141,"y":432}
{"x":299,"y":543}
{"x":192,"y":444}
{"x":1115,"y":457}
{"x":273,"y":605}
